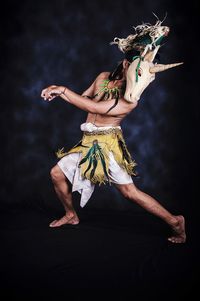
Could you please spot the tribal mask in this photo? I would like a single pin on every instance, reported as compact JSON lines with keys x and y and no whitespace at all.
{"x":141,"y":73}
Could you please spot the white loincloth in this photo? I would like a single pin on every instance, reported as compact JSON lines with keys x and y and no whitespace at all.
{"x":69,"y":166}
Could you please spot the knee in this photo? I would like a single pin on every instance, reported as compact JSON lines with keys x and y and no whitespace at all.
{"x":56,"y":174}
{"x":130,"y":192}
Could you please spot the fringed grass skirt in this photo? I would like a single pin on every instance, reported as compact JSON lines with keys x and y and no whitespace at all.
{"x":99,"y":157}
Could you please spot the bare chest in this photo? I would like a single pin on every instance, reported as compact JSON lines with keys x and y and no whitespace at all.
{"x":107,"y":90}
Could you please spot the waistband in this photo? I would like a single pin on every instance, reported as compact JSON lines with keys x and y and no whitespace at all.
{"x":103,"y":132}
{"x":91,"y":128}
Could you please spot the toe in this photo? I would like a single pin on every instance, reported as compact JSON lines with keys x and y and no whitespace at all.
{"x":176,"y":240}
{"x":172,"y":239}
{"x":53,"y":223}
{"x":58,"y":223}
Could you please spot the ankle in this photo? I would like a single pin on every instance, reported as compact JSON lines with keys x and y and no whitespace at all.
{"x":69,"y":213}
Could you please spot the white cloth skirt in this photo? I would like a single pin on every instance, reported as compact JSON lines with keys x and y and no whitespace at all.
{"x":69,"y":166}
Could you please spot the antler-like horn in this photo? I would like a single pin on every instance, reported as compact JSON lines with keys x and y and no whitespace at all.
{"x":160,"y":67}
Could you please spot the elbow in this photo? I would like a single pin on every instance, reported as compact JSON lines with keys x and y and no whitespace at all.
{"x":92,"y":108}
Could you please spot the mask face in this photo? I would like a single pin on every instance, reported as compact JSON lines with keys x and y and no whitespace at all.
{"x":135,"y":85}
{"x":141,"y":73}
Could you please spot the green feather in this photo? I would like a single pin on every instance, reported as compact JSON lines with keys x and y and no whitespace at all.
{"x":87,"y":155}
{"x":102,"y":161}
{"x":94,"y":167}
{"x":89,"y":166}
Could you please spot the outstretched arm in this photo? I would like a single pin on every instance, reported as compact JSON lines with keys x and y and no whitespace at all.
{"x":77,"y":100}
{"x":68,"y":95}
{"x":53,"y":91}
{"x":84,"y":103}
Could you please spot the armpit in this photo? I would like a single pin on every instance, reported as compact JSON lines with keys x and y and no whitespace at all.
{"x":87,"y":96}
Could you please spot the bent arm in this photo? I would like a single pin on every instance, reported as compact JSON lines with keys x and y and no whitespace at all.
{"x":87,"y":104}
{"x":78,"y":100}
{"x":96,"y":108}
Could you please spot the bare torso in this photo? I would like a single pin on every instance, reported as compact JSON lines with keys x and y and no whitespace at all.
{"x":111,"y":119}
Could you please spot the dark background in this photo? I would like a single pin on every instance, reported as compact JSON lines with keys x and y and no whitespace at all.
{"x":67,"y":43}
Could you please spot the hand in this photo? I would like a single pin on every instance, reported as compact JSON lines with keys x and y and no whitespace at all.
{"x":51,"y":92}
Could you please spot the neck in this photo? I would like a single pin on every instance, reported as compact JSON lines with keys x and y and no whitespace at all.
{"x":122,"y":80}
{"x":124,"y":76}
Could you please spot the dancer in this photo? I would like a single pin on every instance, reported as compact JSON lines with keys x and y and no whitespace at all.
{"x":101,"y":156}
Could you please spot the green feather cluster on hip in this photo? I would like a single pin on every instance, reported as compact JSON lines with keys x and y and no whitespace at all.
{"x":94,"y":155}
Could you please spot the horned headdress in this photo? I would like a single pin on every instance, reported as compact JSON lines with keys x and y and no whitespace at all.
{"x":146,"y":41}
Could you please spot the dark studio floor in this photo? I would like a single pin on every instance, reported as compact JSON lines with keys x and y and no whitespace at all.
{"x":113,"y":250}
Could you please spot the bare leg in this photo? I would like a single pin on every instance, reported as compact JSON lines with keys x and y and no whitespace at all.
{"x":177,"y":223}
{"x":63,"y":190}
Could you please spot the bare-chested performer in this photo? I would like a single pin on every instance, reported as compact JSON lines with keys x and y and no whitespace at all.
{"x":102,"y":155}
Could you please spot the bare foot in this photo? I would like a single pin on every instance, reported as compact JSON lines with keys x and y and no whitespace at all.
{"x":69,"y":218}
{"x":74,"y":220}
{"x":178,"y":231}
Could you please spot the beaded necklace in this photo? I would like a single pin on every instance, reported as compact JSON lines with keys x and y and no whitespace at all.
{"x":113,"y":92}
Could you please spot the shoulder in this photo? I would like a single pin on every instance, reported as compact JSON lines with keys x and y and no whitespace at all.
{"x":103,"y":75}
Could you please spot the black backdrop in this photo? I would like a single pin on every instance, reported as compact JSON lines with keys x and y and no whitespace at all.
{"x":67,"y":42}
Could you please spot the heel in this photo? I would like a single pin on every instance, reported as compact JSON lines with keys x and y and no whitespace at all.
{"x":74,"y":221}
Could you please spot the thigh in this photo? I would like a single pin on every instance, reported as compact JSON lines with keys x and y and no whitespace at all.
{"x":69,"y":166}
{"x":117,"y":174}
{"x":57,"y":173}
{"x":62,"y":176}
{"x":58,"y":170}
